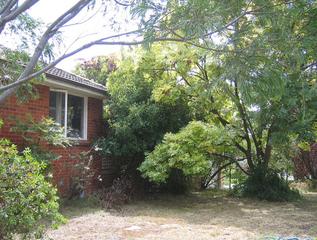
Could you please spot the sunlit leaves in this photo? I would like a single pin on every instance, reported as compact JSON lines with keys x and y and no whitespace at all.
{"x":190,"y":151}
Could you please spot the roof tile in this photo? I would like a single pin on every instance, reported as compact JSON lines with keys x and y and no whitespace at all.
{"x":74,"y":79}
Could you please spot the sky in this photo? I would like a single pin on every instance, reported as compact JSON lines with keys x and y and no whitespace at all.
{"x":76,"y":35}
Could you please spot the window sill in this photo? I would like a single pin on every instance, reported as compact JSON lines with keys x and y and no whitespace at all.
{"x":78,"y":142}
{"x":76,"y":139}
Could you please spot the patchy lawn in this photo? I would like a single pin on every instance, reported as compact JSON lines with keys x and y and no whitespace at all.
{"x":204,"y":215}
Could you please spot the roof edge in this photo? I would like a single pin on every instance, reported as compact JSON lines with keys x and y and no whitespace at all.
{"x":61,"y":79}
{"x":82,"y":90}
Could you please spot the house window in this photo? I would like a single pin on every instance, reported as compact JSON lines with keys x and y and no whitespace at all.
{"x":57,"y":107}
{"x":70,"y":111}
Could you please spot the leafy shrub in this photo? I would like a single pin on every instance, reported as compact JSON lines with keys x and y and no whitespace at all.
{"x":265,"y":184}
{"x":189,"y":151}
{"x":36,"y":134}
{"x":26,"y":198}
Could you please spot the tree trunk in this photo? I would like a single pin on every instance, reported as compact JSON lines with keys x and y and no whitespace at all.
{"x":219,"y":180}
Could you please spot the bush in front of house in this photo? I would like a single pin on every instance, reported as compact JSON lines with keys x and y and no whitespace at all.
{"x":265,"y":184}
{"x":26,"y":198}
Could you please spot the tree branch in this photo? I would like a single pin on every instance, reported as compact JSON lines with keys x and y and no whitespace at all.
{"x":233,"y":160}
{"x":50,"y":31}
{"x":9,"y":6}
{"x":244,"y":123}
{"x":7,"y":15}
{"x":241,"y":168}
{"x":268,"y":147}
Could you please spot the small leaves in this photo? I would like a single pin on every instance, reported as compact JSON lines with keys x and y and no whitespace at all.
{"x":44,"y":131}
{"x":26,"y":198}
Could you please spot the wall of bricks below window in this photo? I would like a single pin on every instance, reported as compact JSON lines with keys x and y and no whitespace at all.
{"x":64,"y":170}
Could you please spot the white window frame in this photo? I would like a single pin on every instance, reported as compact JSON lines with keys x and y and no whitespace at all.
{"x":66,"y":92}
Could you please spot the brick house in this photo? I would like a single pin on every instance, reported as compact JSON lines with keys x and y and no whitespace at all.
{"x":74,"y":102}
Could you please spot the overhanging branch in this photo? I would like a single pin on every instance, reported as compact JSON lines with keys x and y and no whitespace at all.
{"x":11,"y":11}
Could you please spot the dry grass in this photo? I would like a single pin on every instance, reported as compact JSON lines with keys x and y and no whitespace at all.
{"x":196,"y":216}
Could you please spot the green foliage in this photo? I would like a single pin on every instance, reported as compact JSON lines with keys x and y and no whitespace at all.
{"x":265,"y":184}
{"x":137,"y":122}
{"x":233,"y":176}
{"x":256,"y":76}
{"x":247,"y":66}
{"x":26,"y":198}
{"x":189,"y":151}
{"x":37,"y":134}
{"x":24,"y":29}
{"x":12,"y":64}
{"x":282,"y":156}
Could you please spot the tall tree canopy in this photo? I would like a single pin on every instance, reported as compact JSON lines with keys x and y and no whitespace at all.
{"x":255,"y":76}
{"x":178,"y":21}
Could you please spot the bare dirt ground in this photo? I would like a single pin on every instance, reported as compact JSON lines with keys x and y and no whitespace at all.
{"x":196,"y":216}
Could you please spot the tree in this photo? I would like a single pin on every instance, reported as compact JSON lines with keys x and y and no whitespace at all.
{"x":98,"y":68}
{"x":244,"y":77}
{"x":197,"y":150}
{"x":136,"y":121}
{"x":13,"y":16}
{"x":239,"y":68}
{"x":165,"y":21}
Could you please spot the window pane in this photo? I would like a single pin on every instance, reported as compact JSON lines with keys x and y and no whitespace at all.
{"x":75,"y":117}
{"x":57,"y":107}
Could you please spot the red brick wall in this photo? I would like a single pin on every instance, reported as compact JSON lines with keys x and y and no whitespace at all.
{"x":36,"y":108}
{"x":63,"y":169}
